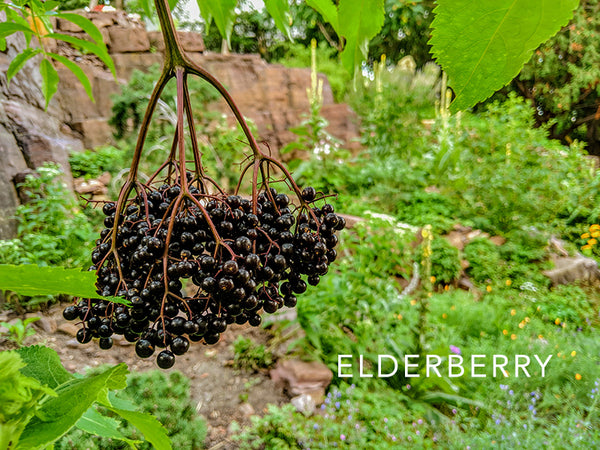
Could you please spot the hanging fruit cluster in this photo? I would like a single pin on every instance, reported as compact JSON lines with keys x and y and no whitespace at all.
{"x":190,"y":258}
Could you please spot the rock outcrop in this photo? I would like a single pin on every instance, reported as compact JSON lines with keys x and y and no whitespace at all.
{"x":29,"y":135}
{"x":272,"y":96}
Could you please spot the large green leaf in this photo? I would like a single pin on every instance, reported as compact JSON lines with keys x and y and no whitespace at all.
{"x":280,"y":12}
{"x":222,"y":12}
{"x":483,"y":44}
{"x":49,"y":80}
{"x":148,"y":425}
{"x":362,"y":20}
{"x":43,"y":364}
{"x":29,"y":279}
{"x":58,"y":414}
{"x":96,"y":424}
{"x":328,"y":11}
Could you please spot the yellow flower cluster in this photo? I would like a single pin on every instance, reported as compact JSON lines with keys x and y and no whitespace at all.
{"x":594,"y":232}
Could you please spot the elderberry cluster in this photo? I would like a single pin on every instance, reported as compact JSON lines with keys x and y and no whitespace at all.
{"x":189,"y":267}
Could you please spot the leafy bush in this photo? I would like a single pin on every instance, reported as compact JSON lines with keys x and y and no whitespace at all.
{"x":352,"y":416}
{"x":251,"y":356}
{"x":92,"y":163}
{"x":445,"y":261}
{"x":166,"y":397}
{"x":52,"y":230}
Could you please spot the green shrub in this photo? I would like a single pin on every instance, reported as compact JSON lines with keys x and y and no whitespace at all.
{"x":484,"y":260}
{"x":251,"y":356}
{"x":52,"y":229}
{"x":92,"y":163}
{"x":445,"y":261}
{"x":166,"y":397}
{"x":351,"y":416}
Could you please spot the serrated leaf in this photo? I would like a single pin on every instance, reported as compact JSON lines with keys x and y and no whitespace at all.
{"x":59,"y":414}
{"x":222,"y":12}
{"x":362,"y":21}
{"x":8,"y":28}
{"x":44,"y":365}
{"x":77,"y":71}
{"x":49,"y":80}
{"x":96,"y":424}
{"x":483,"y":45}
{"x":148,"y":425}
{"x":328,"y":11}
{"x":85,"y":24}
{"x":280,"y":12}
{"x":32,"y":280}
{"x":19,"y":61}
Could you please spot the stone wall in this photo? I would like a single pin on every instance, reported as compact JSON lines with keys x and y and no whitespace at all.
{"x":272,"y":96}
{"x":29,"y":135}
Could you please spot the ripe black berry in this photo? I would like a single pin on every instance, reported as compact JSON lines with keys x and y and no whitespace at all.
{"x":165,"y":359}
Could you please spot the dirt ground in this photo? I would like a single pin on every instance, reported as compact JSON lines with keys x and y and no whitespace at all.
{"x":217,"y":387}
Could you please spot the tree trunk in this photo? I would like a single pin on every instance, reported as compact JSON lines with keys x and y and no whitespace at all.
{"x":93,"y":4}
{"x":119,"y":4}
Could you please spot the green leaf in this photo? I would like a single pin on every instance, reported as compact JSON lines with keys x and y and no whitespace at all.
{"x":223,"y":13}
{"x":50,"y":4}
{"x":20,"y":398}
{"x":59,"y":414}
{"x":49,"y":80}
{"x":148,"y":425}
{"x":43,"y":364}
{"x":483,"y":45}
{"x":362,"y":21}
{"x":280,"y":12}
{"x":77,"y":71}
{"x":85,"y":24}
{"x":96,"y":424}
{"x":19,"y":61}
{"x":328,"y":11}
{"x":32,"y":280}
{"x":97,"y":49}
{"x":8,"y":28}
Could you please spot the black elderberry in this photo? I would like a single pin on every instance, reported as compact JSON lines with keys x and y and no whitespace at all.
{"x":212,"y":338}
{"x":165,"y":359}
{"x":105,"y":343}
{"x":144,"y":348}
{"x":71,"y":313}
{"x":180,"y":345}
{"x":84,"y":336}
